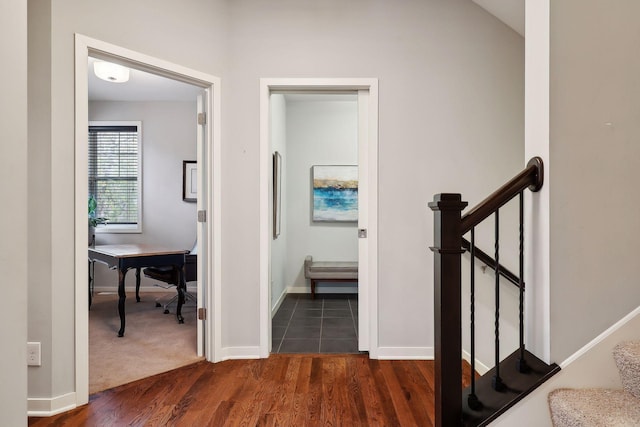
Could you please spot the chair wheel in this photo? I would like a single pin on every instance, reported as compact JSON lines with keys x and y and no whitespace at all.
{"x":166,"y":311}
{"x":158,"y":304}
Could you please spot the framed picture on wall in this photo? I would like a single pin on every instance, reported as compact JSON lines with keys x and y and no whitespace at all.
{"x":189,"y":180}
{"x":277,"y":193}
{"x":335,"y":193}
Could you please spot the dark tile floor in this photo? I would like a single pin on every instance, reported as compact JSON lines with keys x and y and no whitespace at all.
{"x":326,"y":324}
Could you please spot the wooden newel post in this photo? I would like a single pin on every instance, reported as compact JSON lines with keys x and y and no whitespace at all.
{"x":447,"y":251}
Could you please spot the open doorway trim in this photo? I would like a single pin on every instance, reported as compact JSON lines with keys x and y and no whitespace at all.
{"x":85,"y":47}
{"x":368,"y":300}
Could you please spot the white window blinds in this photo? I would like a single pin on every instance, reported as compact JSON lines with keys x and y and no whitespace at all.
{"x":114,"y":173}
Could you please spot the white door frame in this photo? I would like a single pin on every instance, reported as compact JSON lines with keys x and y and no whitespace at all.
{"x":367,"y":90}
{"x":85,"y":46}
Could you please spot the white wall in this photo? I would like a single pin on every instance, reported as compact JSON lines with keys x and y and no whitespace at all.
{"x":451,"y":120}
{"x":451,"y":84}
{"x":168,"y":138}
{"x":13,"y":223}
{"x":39,"y":193}
{"x":594,"y":200}
{"x":319,"y":132}
{"x":590,"y":93}
{"x":192,"y":34}
{"x":451,"y":108}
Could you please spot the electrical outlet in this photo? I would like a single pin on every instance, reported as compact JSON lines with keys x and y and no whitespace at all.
{"x":33,"y":354}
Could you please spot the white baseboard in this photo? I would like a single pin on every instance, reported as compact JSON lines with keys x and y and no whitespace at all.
{"x":248,"y":352}
{"x":421,"y":353}
{"x":47,"y":407}
{"x":278,"y":303}
{"x":347,"y":289}
{"x":619,"y":324}
{"x":405,"y":353}
{"x":481,"y":368}
{"x":146,"y":289}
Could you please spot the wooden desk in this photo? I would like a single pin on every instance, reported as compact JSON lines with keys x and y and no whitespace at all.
{"x":126,"y":257}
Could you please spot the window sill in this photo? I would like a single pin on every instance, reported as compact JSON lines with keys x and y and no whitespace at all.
{"x":119,"y":229}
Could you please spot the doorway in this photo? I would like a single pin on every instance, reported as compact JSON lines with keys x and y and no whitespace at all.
{"x":315,"y":136}
{"x":365,"y":91}
{"x":208,"y":194}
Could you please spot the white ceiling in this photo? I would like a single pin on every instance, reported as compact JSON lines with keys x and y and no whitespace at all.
{"x":142,"y":86}
{"x":511,"y":12}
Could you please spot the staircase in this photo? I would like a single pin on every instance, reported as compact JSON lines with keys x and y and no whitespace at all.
{"x":603,"y":407}
{"x":510,"y":379}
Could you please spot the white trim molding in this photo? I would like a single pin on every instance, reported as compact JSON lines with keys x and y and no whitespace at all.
{"x":367,"y":89}
{"x":536,"y":143}
{"x":41,"y":407}
{"x":279,"y":302}
{"x":85,"y":47}
{"x":597,"y":340}
{"x":481,"y":368}
{"x":405,"y":353}
{"x":234,"y":353}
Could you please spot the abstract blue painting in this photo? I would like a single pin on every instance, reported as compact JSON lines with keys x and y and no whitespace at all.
{"x":335,"y":193}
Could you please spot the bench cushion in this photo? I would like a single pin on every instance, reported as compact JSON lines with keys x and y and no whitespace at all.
{"x":328,"y":270}
{"x":333,"y":267}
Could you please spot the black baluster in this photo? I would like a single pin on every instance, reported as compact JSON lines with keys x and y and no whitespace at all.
{"x":496,"y":381}
{"x":472,"y":400}
{"x":521,"y":363}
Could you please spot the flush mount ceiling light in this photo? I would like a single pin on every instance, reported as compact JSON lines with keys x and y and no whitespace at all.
{"x":111,"y":72}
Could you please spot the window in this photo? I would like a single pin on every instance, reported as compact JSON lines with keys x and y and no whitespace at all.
{"x":115,"y":178}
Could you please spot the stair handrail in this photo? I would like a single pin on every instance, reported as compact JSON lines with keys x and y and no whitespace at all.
{"x":449,"y":227}
{"x":531,"y":177}
{"x":491,"y":263}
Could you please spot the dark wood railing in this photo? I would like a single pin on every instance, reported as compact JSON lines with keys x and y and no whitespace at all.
{"x":521,"y":372}
{"x":490,"y":262}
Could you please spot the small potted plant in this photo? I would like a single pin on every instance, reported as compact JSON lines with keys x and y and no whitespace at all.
{"x":94,"y":220}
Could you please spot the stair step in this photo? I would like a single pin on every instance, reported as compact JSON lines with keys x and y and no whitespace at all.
{"x":517,"y":386}
{"x":593,"y":407}
{"x":627,"y":357}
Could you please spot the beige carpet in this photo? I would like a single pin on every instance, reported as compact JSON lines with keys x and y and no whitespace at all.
{"x":153,"y":342}
{"x":593,"y":407}
{"x":598,"y":407}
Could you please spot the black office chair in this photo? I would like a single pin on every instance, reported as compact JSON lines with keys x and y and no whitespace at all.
{"x":171,"y":276}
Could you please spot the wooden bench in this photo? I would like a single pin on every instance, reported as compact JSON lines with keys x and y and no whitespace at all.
{"x":329,"y":271}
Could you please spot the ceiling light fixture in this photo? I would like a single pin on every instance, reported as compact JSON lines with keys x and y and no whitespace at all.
{"x":111,"y":72}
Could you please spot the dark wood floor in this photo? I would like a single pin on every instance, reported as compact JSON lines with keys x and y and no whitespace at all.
{"x":283,"y":390}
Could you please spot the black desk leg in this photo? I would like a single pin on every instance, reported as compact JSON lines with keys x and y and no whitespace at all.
{"x":138,"y":284}
{"x":123,"y":296}
{"x":91,"y":275}
{"x":181,"y":288}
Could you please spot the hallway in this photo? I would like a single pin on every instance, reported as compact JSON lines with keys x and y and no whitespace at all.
{"x":326,"y":324}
